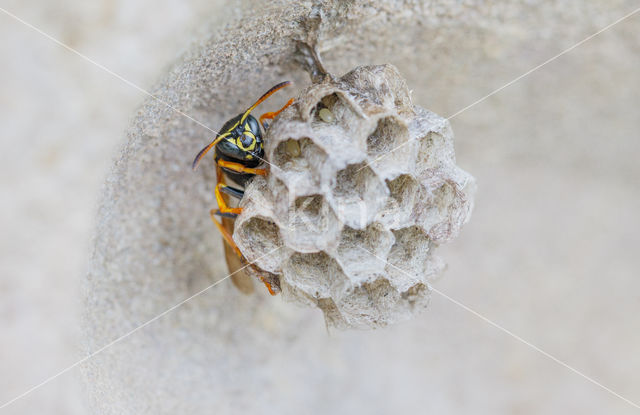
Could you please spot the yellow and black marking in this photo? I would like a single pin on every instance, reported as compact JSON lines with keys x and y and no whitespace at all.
{"x":238,"y":152}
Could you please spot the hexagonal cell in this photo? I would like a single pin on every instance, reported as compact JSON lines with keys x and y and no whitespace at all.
{"x":389,"y":150}
{"x":434,"y":150}
{"x":310,"y":225}
{"x":337,"y":121}
{"x":343,"y":141}
{"x":356,"y":247}
{"x":374,"y":303}
{"x":357,"y":195}
{"x":302,"y":166}
{"x":316,"y":274}
{"x":383,"y":84}
{"x":257,"y":199}
{"x":409,"y":259}
{"x":369,"y":305}
{"x":331,"y":109}
{"x":402,"y":197}
{"x":444,"y":211}
{"x":295,"y":154}
{"x":390,"y":133}
{"x":257,"y":237}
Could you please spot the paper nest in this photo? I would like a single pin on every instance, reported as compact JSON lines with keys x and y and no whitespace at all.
{"x":363,"y":187}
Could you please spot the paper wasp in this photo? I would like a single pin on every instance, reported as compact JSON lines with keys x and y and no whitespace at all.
{"x":238,"y":153}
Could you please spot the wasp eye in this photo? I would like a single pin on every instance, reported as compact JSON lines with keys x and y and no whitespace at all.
{"x":246,"y":140}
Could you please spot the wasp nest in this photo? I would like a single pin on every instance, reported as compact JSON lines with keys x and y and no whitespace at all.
{"x":363,"y":187}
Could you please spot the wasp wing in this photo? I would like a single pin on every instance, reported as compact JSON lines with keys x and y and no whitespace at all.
{"x":240,"y":278}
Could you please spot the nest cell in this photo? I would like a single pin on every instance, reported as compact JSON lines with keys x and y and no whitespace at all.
{"x":389,"y":134}
{"x":403,"y":191}
{"x":444,"y":212}
{"x":434,"y":151}
{"x":367,"y":305}
{"x":358,"y":194}
{"x":295,"y":154}
{"x":259,"y":236}
{"x":296,"y":161}
{"x":357,"y":246}
{"x":316,"y":274}
{"x":310,"y":225}
{"x":409,"y":258}
{"x":331,"y":109}
{"x":388,"y":147}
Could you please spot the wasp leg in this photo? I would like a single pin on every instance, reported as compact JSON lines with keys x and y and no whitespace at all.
{"x":237,"y":167}
{"x":225,"y":215}
{"x":232,"y":191}
{"x":225,"y":234}
{"x":229,"y":240}
{"x":268,"y":285}
{"x":232,"y":213}
{"x":222,"y":205}
{"x":272,"y":115}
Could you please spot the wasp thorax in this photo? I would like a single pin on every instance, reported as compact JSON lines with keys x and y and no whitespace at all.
{"x":364,"y":189}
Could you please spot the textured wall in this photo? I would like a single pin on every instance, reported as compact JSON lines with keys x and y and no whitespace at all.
{"x":548,"y":254}
{"x":61,"y":124}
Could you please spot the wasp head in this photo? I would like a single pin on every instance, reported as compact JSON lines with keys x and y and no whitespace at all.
{"x":244,"y":141}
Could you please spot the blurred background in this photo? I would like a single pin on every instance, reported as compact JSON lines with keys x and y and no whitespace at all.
{"x":551,"y":252}
{"x":62,"y":124}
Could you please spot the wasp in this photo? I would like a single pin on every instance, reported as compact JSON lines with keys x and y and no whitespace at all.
{"x":239,"y":151}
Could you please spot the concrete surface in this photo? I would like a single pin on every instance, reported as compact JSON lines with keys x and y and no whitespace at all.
{"x":550,"y":252}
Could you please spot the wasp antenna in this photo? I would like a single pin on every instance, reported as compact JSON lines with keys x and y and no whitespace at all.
{"x":204,"y":151}
{"x":264,"y":97}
